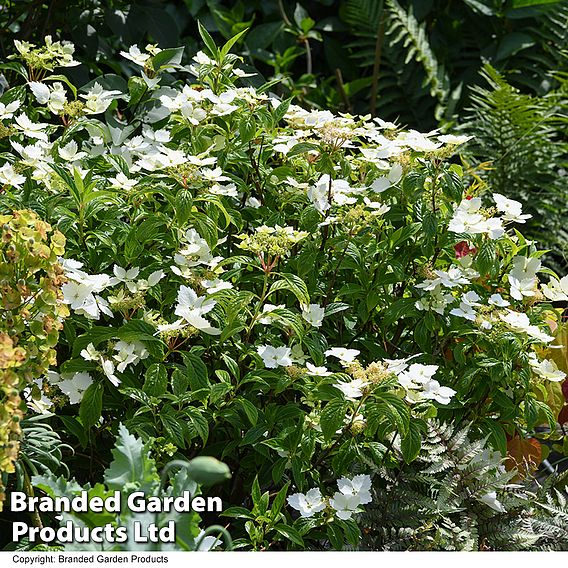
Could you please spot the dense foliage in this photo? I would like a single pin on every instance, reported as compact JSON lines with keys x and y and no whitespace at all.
{"x":337,"y":308}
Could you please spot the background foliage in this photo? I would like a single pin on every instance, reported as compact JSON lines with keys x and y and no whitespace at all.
{"x":424,"y":63}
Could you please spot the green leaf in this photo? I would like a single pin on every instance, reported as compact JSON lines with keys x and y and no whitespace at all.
{"x":136,"y":90}
{"x":172,"y":425}
{"x":156,"y":380}
{"x":293,"y":283}
{"x":301,"y":148}
{"x":411,"y":443}
{"x":332,"y":417}
{"x":279,"y":112}
{"x":91,"y":405}
{"x":199,"y":422}
{"x":279,"y":501}
{"x":249,"y":409}
{"x":180,"y":382}
{"x":247,"y":128}
{"x":208,"y":41}
{"x":170,"y":56}
{"x":227,"y":47}
{"x":290,"y":533}
{"x":197,"y":370}
{"x":526,"y":3}
{"x":335,"y":536}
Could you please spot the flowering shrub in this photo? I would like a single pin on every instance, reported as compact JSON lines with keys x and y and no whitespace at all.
{"x":295,"y":293}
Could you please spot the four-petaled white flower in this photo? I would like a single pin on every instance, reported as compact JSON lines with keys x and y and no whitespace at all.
{"x":317,"y":371}
{"x":192,"y":308}
{"x":352,"y":389}
{"x":512,"y":210}
{"x":547,"y":368}
{"x":359,"y":486}
{"x":308,"y":504}
{"x":274,"y":357}
{"x":343,"y":354}
{"x":313,"y":314}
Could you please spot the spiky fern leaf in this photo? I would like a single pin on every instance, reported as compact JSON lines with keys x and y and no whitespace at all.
{"x":405,"y":31}
{"x":456,"y":496}
{"x":390,"y":39}
{"x":522,"y":136}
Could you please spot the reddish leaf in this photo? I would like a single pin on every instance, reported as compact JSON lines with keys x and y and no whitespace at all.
{"x":524,"y":455}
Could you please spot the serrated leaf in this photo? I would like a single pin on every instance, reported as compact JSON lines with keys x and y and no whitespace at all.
{"x":332,"y":417}
{"x":91,"y":405}
{"x":155,"y":380}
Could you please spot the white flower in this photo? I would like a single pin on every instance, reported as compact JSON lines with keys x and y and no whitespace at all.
{"x":343,"y":354}
{"x":490,"y":499}
{"x":31,"y":129}
{"x":240,"y":73}
{"x":416,"y":375}
{"x":353,"y":389}
{"x":359,"y":486}
{"x":207,"y":543}
{"x":41,"y":405}
{"x":498,"y":300}
{"x":452,"y":139}
{"x":345,"y":505}
{"x":90,"y":353}
{"x":121,"y":181}
{"x":433,"y":390}
{"x":55,"y":97}
{"x":192,"y":307}
{"x":125,"y":276}
{"x":547,"y":369}
{"x":520,"y":288}
{"x":129,"y":354}
{"x":253,"y":202}
{"x":556,"y":290}
{"x":7,"y":111}
{"x":317,"y":371}
{"x":196,"y":252}
{"x":230,"y":190}
{"x":80,"y":291}
{"x":318,"y":195}
{"x":216,"y":285}
{"x":512,"y":209}
{"x":97,"y":99}
{"x":467,"y":219}
{"x":175,"y":326}
{"x":313,"y":314}
{"x":135,"y":55}
{"x":520,"y":322}
{"x":69,"y":152}
{"x":268,"y":309}
{"x":9,"y":177}
{"x":274,"y":357}
{"x":108,"y":370}
{"x":467,"y":303}
{"x":378,"y":208}
{"x":398,"y":366}
{"x":75,"y":386}
{"x":308,"y":504}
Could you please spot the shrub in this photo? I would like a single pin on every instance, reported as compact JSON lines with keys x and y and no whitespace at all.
{"x":292,"y":292}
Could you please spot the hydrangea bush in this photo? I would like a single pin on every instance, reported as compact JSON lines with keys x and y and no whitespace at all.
{"x":295,"y":293}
